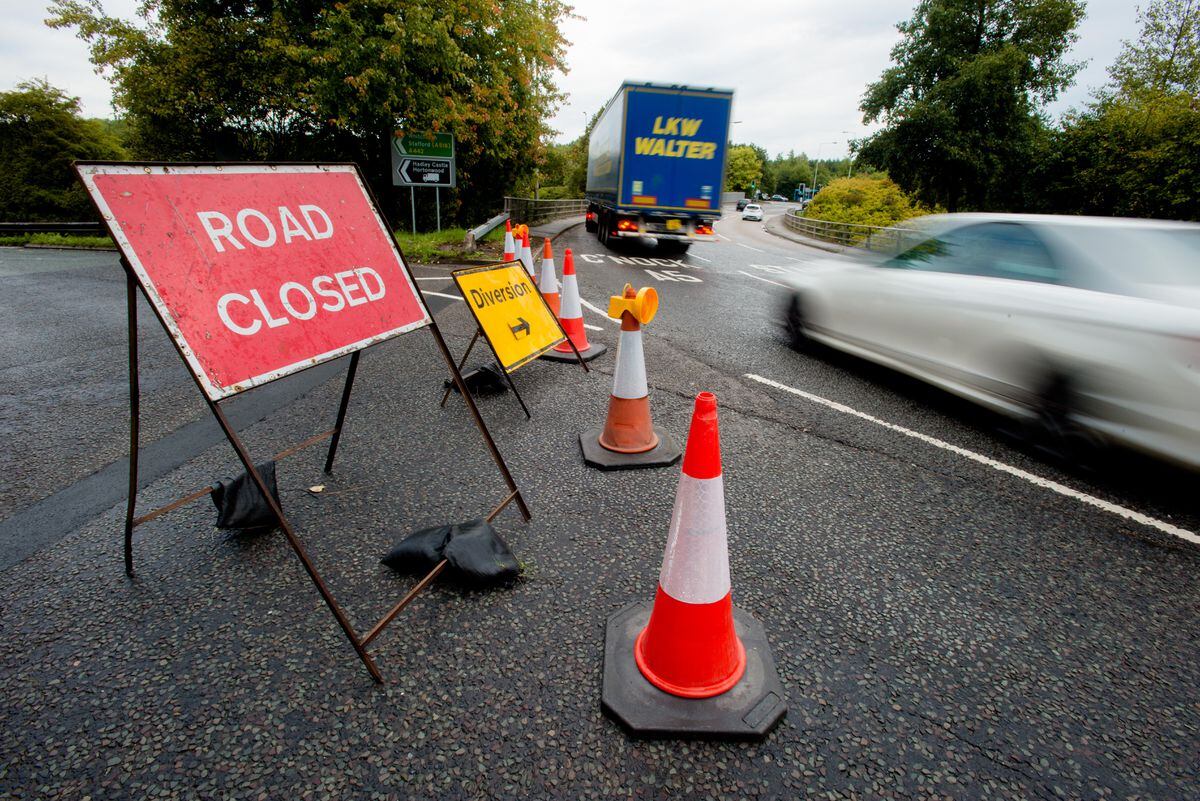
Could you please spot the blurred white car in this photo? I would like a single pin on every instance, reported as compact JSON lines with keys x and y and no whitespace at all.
{"x":1075,"y":324}
{"x":752,"y":212}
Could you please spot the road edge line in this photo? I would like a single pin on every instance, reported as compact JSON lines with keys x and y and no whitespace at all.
{"x":1032,"y":478}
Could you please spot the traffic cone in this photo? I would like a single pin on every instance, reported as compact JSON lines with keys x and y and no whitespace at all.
{"x":510,"y":247}
{"x":700,"y":666}
{"x":629,"y":438}
{"x":571,"y":317}
{"x":548,"y":282}
{"x":690,"y":648}
{"x":526,"y":252}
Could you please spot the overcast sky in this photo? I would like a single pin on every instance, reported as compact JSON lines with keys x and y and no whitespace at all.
{"x":798,"y":67}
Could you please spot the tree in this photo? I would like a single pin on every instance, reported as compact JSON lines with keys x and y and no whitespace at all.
{"x":41,"y":133}
{"x":743,"y":168}
{"x":960,"y":104}
{"x":1134,"y":150}
{"x":319,"y":81}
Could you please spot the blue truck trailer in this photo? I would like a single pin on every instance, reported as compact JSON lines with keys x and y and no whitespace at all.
{"x":656,"y":164}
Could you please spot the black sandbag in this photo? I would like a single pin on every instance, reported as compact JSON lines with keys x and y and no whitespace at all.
{"x":477,"y":554}
{"x":239,"y":503}
{"x":483,"y":380}
{"x":419,"y":551}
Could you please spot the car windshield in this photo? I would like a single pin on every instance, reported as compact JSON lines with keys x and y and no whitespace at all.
{"x":752,"y":207}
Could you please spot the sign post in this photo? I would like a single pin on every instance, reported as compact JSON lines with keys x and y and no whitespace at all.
{"x":259,"y":271}
{"x":423,"y":159}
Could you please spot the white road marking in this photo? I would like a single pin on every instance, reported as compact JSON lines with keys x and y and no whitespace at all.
{"x":433,"y":278}
{"x":600,"y":312}
{"x":793,"y":258}
{"x":747,"y":247}
{"x":1036,"y":480}
{"x":760,"y":278}
{"x":701,"y":258}
{"x":727,"y":239}
{"x":591,"y":327}
{"x":441,"y":295}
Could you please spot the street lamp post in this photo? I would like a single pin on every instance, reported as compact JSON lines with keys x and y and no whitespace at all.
{"x":819,"y":146}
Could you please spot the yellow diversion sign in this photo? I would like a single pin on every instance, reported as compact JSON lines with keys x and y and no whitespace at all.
{"x":510,"y":311}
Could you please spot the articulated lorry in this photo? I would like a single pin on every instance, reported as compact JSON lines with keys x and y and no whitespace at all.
{"x":656,"y":164}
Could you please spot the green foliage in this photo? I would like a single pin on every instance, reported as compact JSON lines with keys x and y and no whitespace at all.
{"x":743,"y":167}
{"x":41,"y":133}
{"x":960,"y":102}
{"x":58,"y":241}
{"x":1135,"y":149}
{"x":863,"y":200}
{"x":318,"y":81}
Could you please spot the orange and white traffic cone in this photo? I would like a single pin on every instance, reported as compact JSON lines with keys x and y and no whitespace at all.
{"x":526,"y":252}
{"x":690,"y":648}
{"x":699,"y":666}
{"x":510,"y":247}
{"x":571,"y":318}
{"x":548,"y":280}
{"x":629,"y":438}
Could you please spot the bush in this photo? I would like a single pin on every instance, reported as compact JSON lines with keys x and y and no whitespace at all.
{"x":556,"y":193}
{"x":863,"y":200}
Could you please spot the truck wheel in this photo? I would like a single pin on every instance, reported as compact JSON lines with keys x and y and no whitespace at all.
{"x":602,"y":229}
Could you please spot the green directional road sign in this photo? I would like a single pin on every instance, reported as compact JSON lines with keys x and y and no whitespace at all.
{"x":427,"y":145}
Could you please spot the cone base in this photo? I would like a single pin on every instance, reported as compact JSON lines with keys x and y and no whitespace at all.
{"x":664,"y":454}
{"x":592,"y":352}
{"x":747,"y":711}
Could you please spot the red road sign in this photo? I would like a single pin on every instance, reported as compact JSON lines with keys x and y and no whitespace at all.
{"x":258,"y":271}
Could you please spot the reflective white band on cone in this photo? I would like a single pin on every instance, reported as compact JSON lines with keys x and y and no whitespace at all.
{"x":571,"y":306}
{"x":527,"y":258}
{"x":695,"y":566}
{"x":629,"y":381}
{"x":548,"y":282}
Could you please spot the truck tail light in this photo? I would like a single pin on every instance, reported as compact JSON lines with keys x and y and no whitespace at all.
{"x":626,"y":224}
{"x":591,"y":216}
{"x":704,"y":229}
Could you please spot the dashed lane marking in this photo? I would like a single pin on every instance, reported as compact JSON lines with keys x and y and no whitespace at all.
{"x":760,"y":278}
{"x":747,"y":247}
{"x":433,"y":278}
{"x":1036,"y":480}
{"x":441,"y":295}
{"x":701,"y":258}
{"x":591,"y":327}
{"x":727,"y":239}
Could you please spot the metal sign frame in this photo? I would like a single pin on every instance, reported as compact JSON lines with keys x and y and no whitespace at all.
{"x":135,"y":281}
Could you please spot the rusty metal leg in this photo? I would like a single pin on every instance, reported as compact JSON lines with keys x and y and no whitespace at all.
{"x":341,"y":415}
{"x":134,"y":415}
{"x":513,"y":387}
{"x":294,"y":541}
{"x":461,"y":362}
{"x":478,"y":418}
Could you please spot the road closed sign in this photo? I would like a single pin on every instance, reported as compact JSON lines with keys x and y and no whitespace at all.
{"x":258,"y":271}
{"x":512,"y":314}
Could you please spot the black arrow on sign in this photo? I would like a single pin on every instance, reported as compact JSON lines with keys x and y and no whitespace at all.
{"x":522,"y":326}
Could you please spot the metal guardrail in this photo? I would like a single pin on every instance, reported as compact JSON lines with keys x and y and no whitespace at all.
{"x":890,"y":239}
{"x":480,"y":231}
{"x":76,"y":228}
{"x":529,"y":211}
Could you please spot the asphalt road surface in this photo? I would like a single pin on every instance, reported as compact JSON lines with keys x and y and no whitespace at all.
{"x":952,"y":614}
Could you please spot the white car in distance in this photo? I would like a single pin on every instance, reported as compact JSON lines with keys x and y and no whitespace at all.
{"x":752,"y":212}
{"x":1078,"y":325}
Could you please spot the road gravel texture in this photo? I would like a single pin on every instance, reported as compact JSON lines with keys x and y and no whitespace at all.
{"x":942,"y":630}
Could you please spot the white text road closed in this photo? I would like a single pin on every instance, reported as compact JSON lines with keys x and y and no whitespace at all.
{"x":246,"y":313}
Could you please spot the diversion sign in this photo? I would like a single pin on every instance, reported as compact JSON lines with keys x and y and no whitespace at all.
{"x":510,"y":311}
{"x":258,"y":271}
